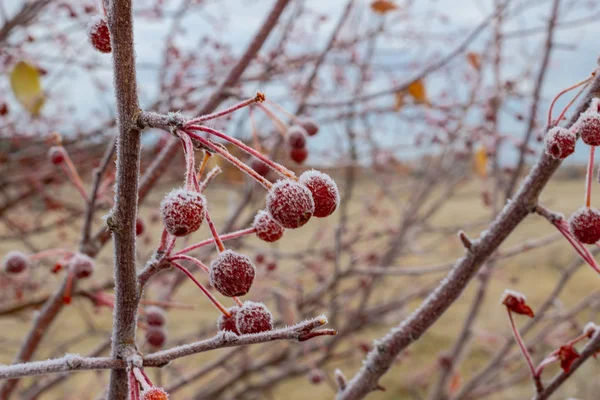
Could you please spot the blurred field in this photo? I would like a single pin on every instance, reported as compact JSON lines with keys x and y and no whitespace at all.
{"x":533,"y":273}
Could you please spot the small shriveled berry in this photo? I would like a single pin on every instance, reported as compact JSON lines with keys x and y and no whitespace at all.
{"x":584,"y":224}
{"x":81,"y":265}
{"x":309,"y":126}
{"x":299,"y":155}
{"x":290,"y":203}
{"x":155,"y":393}
{"x":296,"y":137}
{"x":588,"y":126}
{"x":232,"y":274}
{"x":316,"y":376}
{"x":260,"y":167}
{"x":183,"y":211}
{"x":259,"y":258}
{"x":266,"y":227}
{"x":271,"y":266}
{"x":57,"y":155}
{"x":156,"y":336}
{"x":139,"y":227}
{"x":99,"y":35}
{"x":324,"y":191}
{"x":15,"y":262}
{"x":253,"y":317}
{"x":155,"y":316}
{"x":560,"y":142}
{"x":225,"y":323}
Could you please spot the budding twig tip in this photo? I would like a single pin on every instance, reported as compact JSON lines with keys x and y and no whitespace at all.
{"x":260,"y":97}
{"x":465,"y":241}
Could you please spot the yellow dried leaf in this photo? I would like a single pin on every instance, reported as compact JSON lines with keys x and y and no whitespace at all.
{"x":399,"y":103}
{"x":474,"y":60}
{"x":27,"y":87}
{"x":481,"y":161}
{"x":417,"y":91}
{"x":383,"y":6}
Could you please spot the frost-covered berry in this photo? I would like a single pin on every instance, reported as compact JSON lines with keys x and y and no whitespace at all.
{"x":253,"y":318}
{"x":266,"y":227}
{"x":15,"y":262}
{"x":584,"y":224}
{"x":299,"y":155}
{"x":290,"y":203}
{"x":81,"y":265}
{"x":156,"y":336}
{"x":260,"y":167}
{"x":309,"y":126}
{"x":324,"y":191}
{"x":183,"y":211}
{"x":155,"y":316}
{"x":228,"y":323}
{"x":560,"y":142}
{"x":588,"y":126}
{"x":232,"y":274}
{"x":57,"y":155}
{"x":99,"y":35}
{"x":155,"y":393}
{"x":139,"y":227}
{"x":296,"y":137}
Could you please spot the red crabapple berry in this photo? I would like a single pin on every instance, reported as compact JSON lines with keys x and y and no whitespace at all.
{"x":155,"y":393}
{"x":156,"y":336}
{"x":253,"y":318}
{"x":290,"y":203}
{"x":259,"y":258}
{"x":324,"y":191}
{"x":81,"y":265}
{"x":225,"y":323}
{"x":57,"y":155}
{"x":560,"y":142}
{"x":296,"y":137}
{"x":260,"y":167}
{"x":299,"y":155}
{"x":139,"y":227}
{"x":266,"y":227}
{"x":232,"y":274}
{"x":99,"y":35}
{"x":588,"y":126}
{"x":155,"y":316}
{"x":309,"y":126}
{"x":584,"y":224}
{"x":271,"y":266}
{"x":183,"y":211}
{"x":15,"y":262}
{"x":316,"y":376}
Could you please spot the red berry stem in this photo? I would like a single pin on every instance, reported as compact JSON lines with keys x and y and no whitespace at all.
{"x":286,"y":112}
{"x":259,"y":98}
{"x":49,"y":253}
{"x":520,"y":343}
{"x":164,"y":237}
{"x":69,"y":286}
{"x":583,"y":252}
{"x":570,"y":103}
{"x":204,"y":290}
{"x":69,"y":170}
{"x":238,"y":301}
{"x":281,"y":126}
{"x":586,"y":80}
{"x":134,"y":388}
{"x":213,"y":231}
{"x":192,"y":260}
{"x":255,"y":140}
{"x":191,"y":182}
{"x":275,"y":166}
{"x":232,"y":235}
{"x":209,"y":178}
{"x":232,"y":159}
{"x":590,"y":173}
{"x":546,"y":361}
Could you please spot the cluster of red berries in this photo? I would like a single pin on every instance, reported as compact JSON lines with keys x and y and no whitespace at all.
{"x":251,"y":317}
{"x":156,"y":334}
{"x":296,"y":139}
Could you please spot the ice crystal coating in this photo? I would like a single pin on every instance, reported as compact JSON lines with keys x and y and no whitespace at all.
{"x":324,"y":191}
{"x":253,"y":317}
{"x":560,"y":142}
{"x":267,"y":228}
{"x":99,"y":35}
{"x":57,"y":155}
{"x":584,"y":224}
{"x":512,"y":293}
{"x":183,"y":211}
{"x":297,"y":137}
{"x":588,"y":126}
{"x":290,"y":203}
{"x":232,"y":274}
{"x":155,"y":393}
{"x":15,"y":262}
{"x":155,"y":316}
{"x":228,"y":323}
{"x":590,"y":328}
{"x":309,"y":126}
{"x":82,"y":265}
